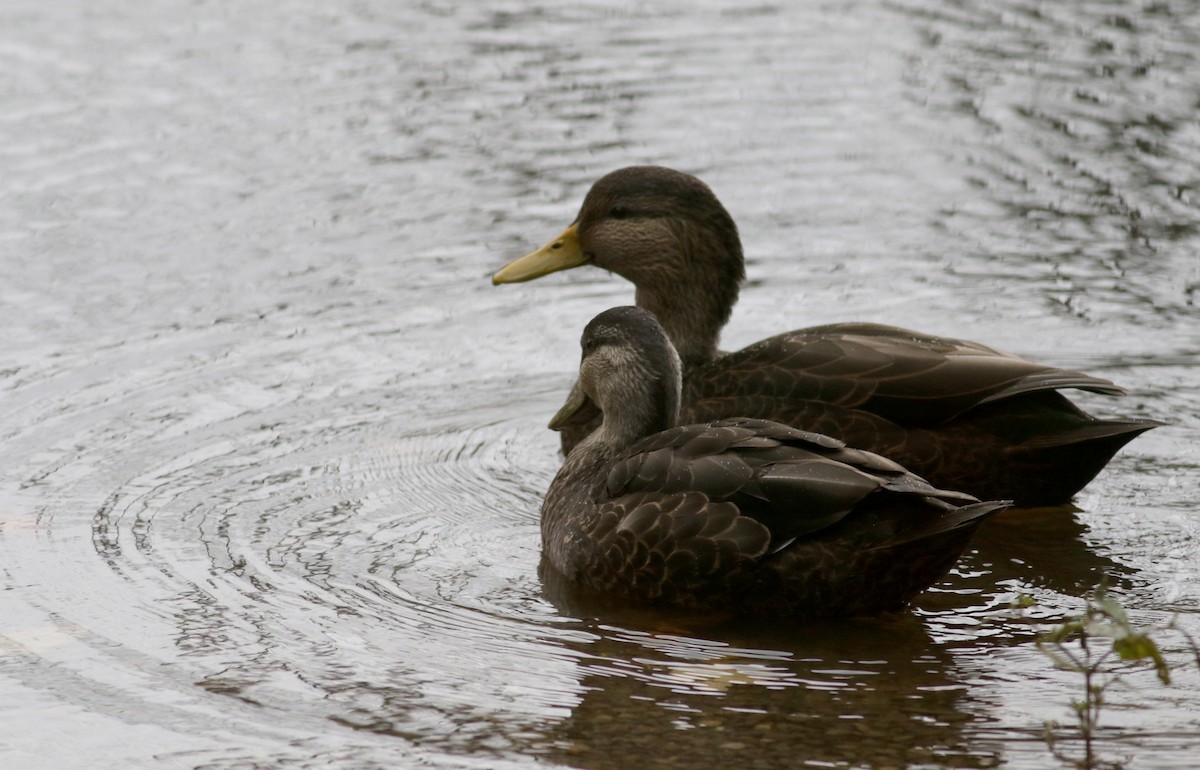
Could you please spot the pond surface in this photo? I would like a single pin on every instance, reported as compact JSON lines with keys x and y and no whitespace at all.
{"x":272,"y":447}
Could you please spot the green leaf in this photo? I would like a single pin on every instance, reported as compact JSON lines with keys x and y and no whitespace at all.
{"x":1142,"y":647}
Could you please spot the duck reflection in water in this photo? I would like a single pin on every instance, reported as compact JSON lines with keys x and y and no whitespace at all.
{"x":665,"y":689}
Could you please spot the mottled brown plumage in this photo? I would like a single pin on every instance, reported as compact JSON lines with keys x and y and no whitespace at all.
{"x":740,"y":515}
{"x":961,"y":414}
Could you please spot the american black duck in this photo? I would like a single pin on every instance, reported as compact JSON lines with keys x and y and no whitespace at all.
{"x":960,"y":414}
{"x":741,"y":515}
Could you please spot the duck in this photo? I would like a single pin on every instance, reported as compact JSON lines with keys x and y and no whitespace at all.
{"x":739,"y":515}
{"x":963,"y":415}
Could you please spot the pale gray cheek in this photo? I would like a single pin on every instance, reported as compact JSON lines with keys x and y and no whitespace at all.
{"x":612,"y":369}
{"x":632,"y":372}
{"x":600,"y":372}
{"x":589,"y":375}
{"x":623,"y":362}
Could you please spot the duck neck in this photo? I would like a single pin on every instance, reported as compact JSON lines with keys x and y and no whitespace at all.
{"x":692,"y":317}
{"x":646,"y":403}
{"x":695,"y":295}
{"x":625,"y":426}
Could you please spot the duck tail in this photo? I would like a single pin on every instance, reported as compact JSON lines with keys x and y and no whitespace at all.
{"x":962,"y":520}
{"x":1101,"y":433}
{"x":1055,"y":466}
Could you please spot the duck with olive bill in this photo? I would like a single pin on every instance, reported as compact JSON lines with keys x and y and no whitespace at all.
{"x":961,"y":414}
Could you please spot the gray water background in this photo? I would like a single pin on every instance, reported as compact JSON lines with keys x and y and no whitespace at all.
{"x":272,"y":447}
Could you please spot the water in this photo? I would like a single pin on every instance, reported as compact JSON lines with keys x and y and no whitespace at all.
{"x":272,"y":446}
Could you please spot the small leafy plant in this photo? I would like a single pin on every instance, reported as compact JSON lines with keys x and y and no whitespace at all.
{"x":1102,"y":645}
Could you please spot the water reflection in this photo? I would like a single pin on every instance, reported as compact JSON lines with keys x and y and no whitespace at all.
{"x":680,"y":691}
{"x":1045,"y":549}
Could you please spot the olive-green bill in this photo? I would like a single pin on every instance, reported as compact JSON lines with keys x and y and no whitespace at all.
{"x":578,"y":410}
{"x":562,"y":253}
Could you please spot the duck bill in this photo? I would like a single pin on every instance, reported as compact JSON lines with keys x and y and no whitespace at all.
{"x":562,"y":253}
{"x":578,"y":410}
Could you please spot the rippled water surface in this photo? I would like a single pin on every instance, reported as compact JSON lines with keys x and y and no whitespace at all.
{"x":271,"y":446}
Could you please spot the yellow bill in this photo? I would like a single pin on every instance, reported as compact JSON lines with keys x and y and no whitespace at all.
{"x":562,"y":253}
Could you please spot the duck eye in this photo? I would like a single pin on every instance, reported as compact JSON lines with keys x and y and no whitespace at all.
{"x":620,"y":212}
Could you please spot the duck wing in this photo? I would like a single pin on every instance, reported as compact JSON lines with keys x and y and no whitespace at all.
{"x":692,"y":515}
{"x":790,"y":482}
{"x":671,"y":547}
{"x":909,"y":378}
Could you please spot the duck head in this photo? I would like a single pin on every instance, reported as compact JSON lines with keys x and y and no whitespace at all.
{"x":631,"y":372}
{"x":664,"y":231}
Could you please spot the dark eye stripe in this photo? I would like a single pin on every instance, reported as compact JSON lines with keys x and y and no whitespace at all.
{"x":621,"y":211}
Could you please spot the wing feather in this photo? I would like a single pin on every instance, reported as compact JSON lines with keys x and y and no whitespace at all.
{"x":913,"y":379}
